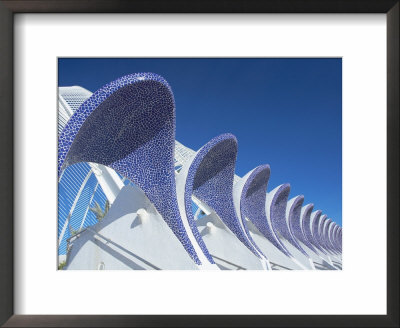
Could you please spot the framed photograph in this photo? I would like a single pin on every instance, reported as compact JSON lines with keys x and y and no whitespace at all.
{"x":252,"y":114}
{"x":199,"y":113}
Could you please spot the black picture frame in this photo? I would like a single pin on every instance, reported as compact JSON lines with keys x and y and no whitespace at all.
{"x":10,"y":7}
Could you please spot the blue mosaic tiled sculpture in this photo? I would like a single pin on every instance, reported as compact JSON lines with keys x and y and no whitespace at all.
{"x":319,"y":223}
{"x":315,"y":221}
{"x":306,"y":236}
{"x":325,"y":241}
{"x":213,"y":184}
{"x":329,"y":240}
{"x":335,"y":238}
{"x":129,"y":125}
{"x":249,"y":197}
{"x":275,"y":208}
{"x":332,"y":236}
{"x":184,"y":181}
{"x":293,"y":211}
{"x":326,"y":237}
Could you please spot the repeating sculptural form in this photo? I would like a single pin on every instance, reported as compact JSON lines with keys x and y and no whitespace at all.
{"x":293,"y":212}
{"x":319,"y":232}
{"x":340,"y":241}
{"x":249,"y":198}
{"x":337,"y":241}
{"x":129,"y":125}
{"x":213,"y":184}
{"x":327,"y":233}
{"x":305,"y":235}
{"x":275,"y":208}
{"x":330,"y":244}
{"x":322,"y":233}
{"x":335,"y":237}
{"x":315,"y":221}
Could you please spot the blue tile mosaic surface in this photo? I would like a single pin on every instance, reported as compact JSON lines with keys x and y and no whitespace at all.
{"x":335,"y":237}
{"x":213,"y":183}
{"x":129,"y":125}
{"x":325,"y":237}
{"x":314,"y":218}
{"x":277,"y":214}
{"x":293,"y":224}
{"x":329,"y":236}
{"x":189,"y":203}
{"x":306,"y":237}
{"x":316,"y":229}
{"x":252,"y":199}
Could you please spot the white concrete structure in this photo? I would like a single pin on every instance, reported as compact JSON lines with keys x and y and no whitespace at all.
{"x":133,"y":235}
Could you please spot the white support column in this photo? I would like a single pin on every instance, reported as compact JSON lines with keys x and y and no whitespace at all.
{"x":109,"y":181}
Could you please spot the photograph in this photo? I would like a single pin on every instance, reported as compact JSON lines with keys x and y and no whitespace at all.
{"x":232,"y":140}
{"x":199,"y":163}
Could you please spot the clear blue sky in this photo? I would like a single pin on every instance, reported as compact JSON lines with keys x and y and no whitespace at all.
{"x":284,"y":112}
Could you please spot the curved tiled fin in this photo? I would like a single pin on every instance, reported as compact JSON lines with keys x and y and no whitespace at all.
{"x":328,"y":231}
{"x":324,"y":230}
{"x":320,"y":224}
{"x":336,"y":238}
{"x":322,"y":233}
{"x":293,"y":211}
{"x":314,"y":221}
{"x":275,"y":208}
{"x":249,"y":197}
{"x":327,"y":228}
{"x":129,"y":125}
{"x":340,"y":239}
{"x":184,"y":186}
{"x":331,"y":228}
{"x":295,"y":205}
{"x":304,"y":233}
{"x":333,"y":237}
{"x":213,"y":183}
